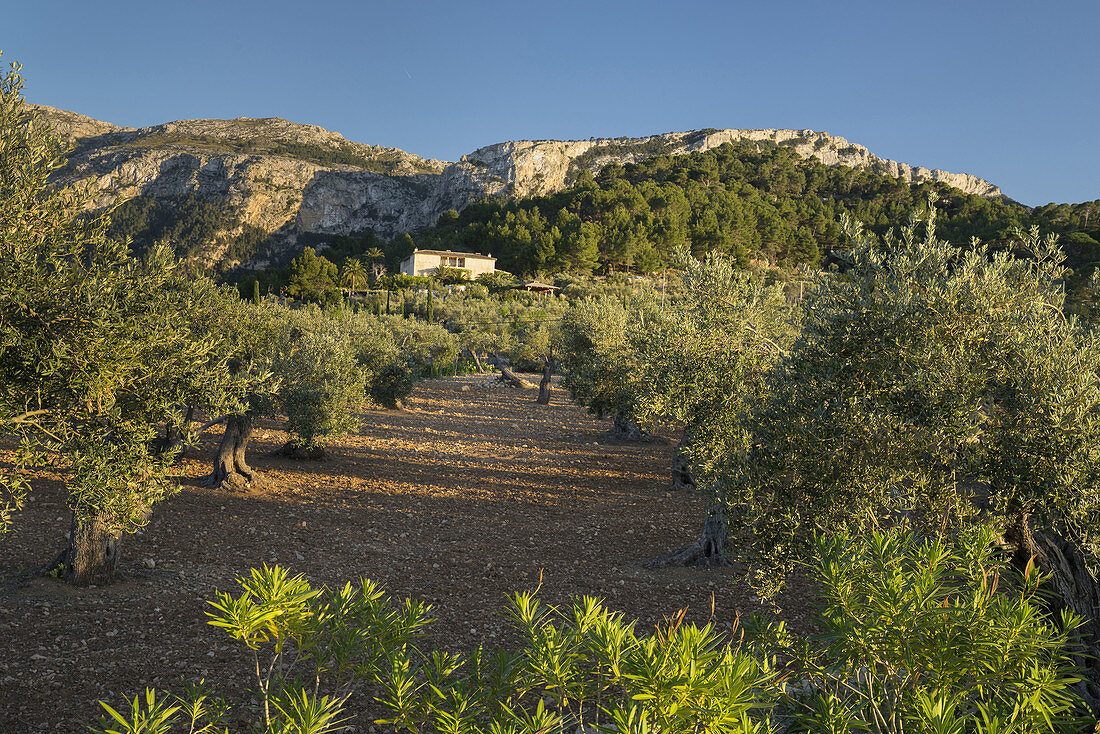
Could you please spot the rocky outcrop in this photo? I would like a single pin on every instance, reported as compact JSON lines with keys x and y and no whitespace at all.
{"x":72,"y":127}
{"x":291,"y":179}
{"x":546,"y":166}
{"x":835,"y":151}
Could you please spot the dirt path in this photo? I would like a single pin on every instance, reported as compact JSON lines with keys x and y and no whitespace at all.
{"x":466,"y":495}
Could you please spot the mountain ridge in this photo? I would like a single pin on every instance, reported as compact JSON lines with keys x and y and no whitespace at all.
{"x":290,"y":179}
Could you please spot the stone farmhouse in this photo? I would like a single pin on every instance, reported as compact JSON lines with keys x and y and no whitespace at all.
{"x":427,"y":262}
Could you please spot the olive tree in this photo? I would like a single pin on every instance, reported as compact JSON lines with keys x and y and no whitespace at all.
{"x":702,"y":361}
{"x":934,"y":388}
{"x":519,"y":330}
{"x":599,"y":363}
{"x":97,"y":348}
{"x":389,"y":371}
{"x":699,"y":358}
{"x":313,"y":366}
{"x":422,"y":346}
{"x":322,"y":385}
{"x":252,"y":333}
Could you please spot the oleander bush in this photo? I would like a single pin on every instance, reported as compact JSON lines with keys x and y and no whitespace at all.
{"x":918,"y":635}
{"x":924,"y":635}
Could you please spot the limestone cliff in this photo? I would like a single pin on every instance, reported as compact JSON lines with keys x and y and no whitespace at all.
{"x":546,"y":166}
{"x":290,"y":179}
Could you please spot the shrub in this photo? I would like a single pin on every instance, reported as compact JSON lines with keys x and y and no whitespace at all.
{"x":600,"y":366}
{"x":579,"y":665}
{"x":922,"y":635}
{"x":401,"y":282}
{"x":919,"y":636}
{"x":497,"y":280}
{"x":423,"y":346}
{"x":391,"y":385}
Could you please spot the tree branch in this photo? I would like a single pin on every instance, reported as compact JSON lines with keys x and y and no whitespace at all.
{"x":25,"y":417}
{"x":208,"y":424}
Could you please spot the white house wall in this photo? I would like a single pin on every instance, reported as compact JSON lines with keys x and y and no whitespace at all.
{"x":427,"y":264}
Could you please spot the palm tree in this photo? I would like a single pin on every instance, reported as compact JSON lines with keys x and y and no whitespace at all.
{"x":353,"y":271}
{"x":377,"y":269}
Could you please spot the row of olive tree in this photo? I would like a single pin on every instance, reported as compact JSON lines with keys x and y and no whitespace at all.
{"x":697,"y":359}
{"x":100,"y":351}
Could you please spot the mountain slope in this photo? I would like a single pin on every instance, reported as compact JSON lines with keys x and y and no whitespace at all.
{"x":285,"y":179}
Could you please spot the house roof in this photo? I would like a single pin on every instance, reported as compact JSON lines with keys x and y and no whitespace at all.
{"x":534,"y":285}
{"x":452,"y":253}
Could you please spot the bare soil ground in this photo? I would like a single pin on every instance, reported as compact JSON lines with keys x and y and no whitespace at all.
{"x":458,"y":499}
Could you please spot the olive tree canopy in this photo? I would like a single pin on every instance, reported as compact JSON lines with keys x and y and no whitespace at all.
{"x":97,"y":348}
{"x":934,"y":388}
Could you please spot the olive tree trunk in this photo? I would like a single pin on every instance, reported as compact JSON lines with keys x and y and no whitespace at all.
{"x":175,"y":440}
{"x":302,"y":452}
{"x":91,"y":556}
{"x":231,"y":471}
{"x":510,"y":377}
{"x":544,"y":384}
{"x":682,"y":476}
{"x":624,"y":429}
{"x":708,"y":550}
{"x":1075,"y":588}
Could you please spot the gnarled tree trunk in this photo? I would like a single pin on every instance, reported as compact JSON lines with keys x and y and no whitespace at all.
{"x":294,"y":450}
{"x":708,"y":550}
{"x":174,"y":440}
{"x":231,"y":471}
{"x":544,"y":384}
{"x":1075,"y":588}
{"x":682,"y":476}
{"x":624,"y":429}
{"x":507,"y":375}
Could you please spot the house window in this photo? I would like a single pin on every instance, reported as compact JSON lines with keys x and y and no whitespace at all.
{"x":454,"y":262}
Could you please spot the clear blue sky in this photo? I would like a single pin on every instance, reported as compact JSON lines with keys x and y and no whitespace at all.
{"x":1009,"y":91}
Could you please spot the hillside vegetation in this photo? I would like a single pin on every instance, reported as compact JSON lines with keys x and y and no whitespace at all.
{"x":755,"y":202}
{"x":751,"y":201}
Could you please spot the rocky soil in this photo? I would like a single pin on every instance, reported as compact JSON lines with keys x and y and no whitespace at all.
{"x":467,"y":494}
